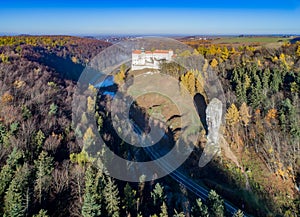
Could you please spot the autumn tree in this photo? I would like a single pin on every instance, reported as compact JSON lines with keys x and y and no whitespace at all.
{"x":90,"y":105}
{"x":121,"y":75}
{"x":271,"y":116}
{"x":244,"y":114}
{"x":225,"y":53}
{"x":89,"y":137}
{"x":81,"y":158}
{"x":189,"y":82}
{"x":298,"y":51}
{"x":6,"y":98}
{"x":214,"y":63}
{"x":232,"y":116}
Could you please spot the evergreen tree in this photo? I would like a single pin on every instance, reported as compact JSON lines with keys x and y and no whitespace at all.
{"x":276,"y":81}
{"x":238,"y":213}
{"x":15,"y":198}
{"x":129,"y":199}
{"x":266,"y":80}
{"x":39,"y":139}
{"x":200,"y":209}
{"x":256,"y":92}
{"x":181,"y":214}
{"x":158,"y":194}
{"x":8,"y":170}
{"x":241,"y":92}
{"x":164,"y":210}
{"x":215,"y":204}
{"x":44,"y":168}
{"x":42,"y":213}
{"x":91,"y":206}
{"x":111,"y":195}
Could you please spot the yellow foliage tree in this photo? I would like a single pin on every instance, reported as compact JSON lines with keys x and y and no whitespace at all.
{"x":19,"y":83}
{"x":120,"y":76}
{"x":6,"y":98}
{"x":275,"y":59}
{"x":81,"y":158}
{"x":247,"y":82}
{"x":189,"y":82}
{"x":232,"y":116}
{"x":74,"y":59}
{"x":232,"y":50}
{"x":89,"y":137}
{"x":225,"y":53}
{"x":244,"y":114}
{"x":298,"y":51}
{"x":200,"y":84}
{"x":294,"y":87}
{"x":90,"y":104}
{"x":282,"y":57}
{"x":259,"y":63}
{"x":212,"y":50}
{"x":214,"y":63}
{"x":271,"y":116}
{"x":92,"y":88}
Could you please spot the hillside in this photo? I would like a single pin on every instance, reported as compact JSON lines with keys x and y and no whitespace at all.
{"x":44,"y":170}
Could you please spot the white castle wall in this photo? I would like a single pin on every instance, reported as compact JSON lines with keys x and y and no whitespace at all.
{"x":146,"y":59}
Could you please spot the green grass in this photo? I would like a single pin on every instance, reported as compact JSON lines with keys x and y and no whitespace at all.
{"x":249,"y":40}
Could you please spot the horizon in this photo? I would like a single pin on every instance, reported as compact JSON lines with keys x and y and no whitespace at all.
{"x":144,"y":18}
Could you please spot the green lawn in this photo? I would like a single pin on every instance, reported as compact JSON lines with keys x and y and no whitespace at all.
{"x":241,"y":40}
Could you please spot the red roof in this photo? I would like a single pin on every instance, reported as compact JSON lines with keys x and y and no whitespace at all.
{"x":136,"y":52}
{"x":161,"y":51}
{"x":150,"y":52}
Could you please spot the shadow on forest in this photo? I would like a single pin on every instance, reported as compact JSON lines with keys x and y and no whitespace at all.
{"x":213,"y":176}
{"x":63,"y":65}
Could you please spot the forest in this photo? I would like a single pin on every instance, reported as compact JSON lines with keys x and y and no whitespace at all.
{"x":44,"y":170}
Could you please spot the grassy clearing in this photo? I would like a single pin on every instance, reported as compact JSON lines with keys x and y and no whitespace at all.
{"x":249,"y":40}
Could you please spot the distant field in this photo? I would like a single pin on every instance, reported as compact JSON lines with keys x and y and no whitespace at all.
{"x":249,"y":40}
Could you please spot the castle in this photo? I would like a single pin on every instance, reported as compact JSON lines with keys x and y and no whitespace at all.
{"x":142,"y":59}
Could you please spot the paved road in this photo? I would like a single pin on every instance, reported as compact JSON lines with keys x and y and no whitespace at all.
{"x":197,"y":189}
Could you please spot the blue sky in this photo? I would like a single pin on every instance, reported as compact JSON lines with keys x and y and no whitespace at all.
{"x":150,"y":17}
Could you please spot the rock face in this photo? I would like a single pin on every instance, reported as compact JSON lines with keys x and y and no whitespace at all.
{"x":214,"y":120}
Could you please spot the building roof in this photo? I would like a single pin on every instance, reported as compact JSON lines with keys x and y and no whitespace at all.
{"x":150,"y":52}
{"x":137,"y":52}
